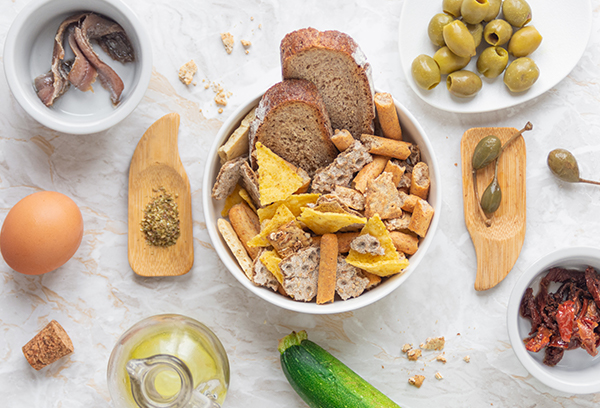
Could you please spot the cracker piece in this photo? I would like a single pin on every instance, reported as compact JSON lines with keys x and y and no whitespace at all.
{"x":341,"y":171}
{"x":332,"y":203}
{"x":439,"y":375}
{"x":245,"y":224}
{"x":300,"y":274}
{"x":406,"y":348}
{"x":408,"y":244}
{"x":387,"y":115}
{"x":404,"y":184}
{"x":421,"y":218}
{"x":187,"y":72}
{"x":369,"y":172}
{"x":271,"y":261}
{"x":398,"y":224}
{"x":367,"y":244}
{"x":344,"y":241}
{"x":413,"y":354}
{"x":276,"y":180}
{"x":262,"y":276}
{"x":467,"y":359}
{"x":46,"y":347}
{"x":249,"y":180}
{"x":382,"y":198}
{"x":416,"y":380}
{"x":303,"y":175}
{"x":288,"y":239}
{"x":228,"y":42}
{"x":231,"y":200}
{"x":235,"y":246}
{"x":434,"y":343}
{"x":327,"y":269}
{"x":383,"y":265}
{"x":228,"y":178}
{"x":419,"y":184}
{"x":350,"y":197}
{"x":295,"y":203}
{"x":396,"y":170}
{"x":374,"y":280}
{"x":408,"y":201}
{"x":342,"y":139}
{"x":246,"y":43}
{"x":441,"y":358}
{"x":246,"y":197}
{"x":386,"y":147}
{"x":237,"y":144}
{"x":350,"y":281}
{"x":281,"y":217}
{"x":327,"y":223}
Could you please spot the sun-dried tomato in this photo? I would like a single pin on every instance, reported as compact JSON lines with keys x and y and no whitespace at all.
{"x":586,"y":334}
{"x":540,"y":340}
{"x":565,"y":316}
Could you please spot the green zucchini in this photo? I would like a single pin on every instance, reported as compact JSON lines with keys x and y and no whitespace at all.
{"x":322,"y":380}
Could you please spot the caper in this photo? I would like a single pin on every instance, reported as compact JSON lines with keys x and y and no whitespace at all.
{"x":516,"y":12}
{"x":452,"y":7}
{"x":486,"y":151}
{"x":493,"y":10}
{"x":449,"y":61}
{"x":492,"y":61}
{"x":497,"y":32}
{"x":524,"y":42}
{"x":426,"y":72}
{"x":436,"y":26}
{"x":492,"y":196}
{"x":474,"y":11}
{"x":476,"y":31}
{"x":564,"y":166}
{"x":521,"y":74}
{"x":463,"y":84}
{"x":459,"y":39}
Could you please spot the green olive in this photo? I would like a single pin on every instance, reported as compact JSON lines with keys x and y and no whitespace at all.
{"x":492,"y":62}
{"x":459,"y":39}
{"x":486,"y":151}
{"x":493,"y":10}
{"x":476,"y":31}
{"x":426,"y":72}
{"x":497,"y":32}
{"x":464,"y":84}
{"x":564,"y":165}
{"x":474,"y":11}
{"x":452,"y":7}
{"x":521,"y":74}
{"x":436,"y":26}
{"x":524,"y":42}
{"x":449,"y":61}
{"x":516,"y":12}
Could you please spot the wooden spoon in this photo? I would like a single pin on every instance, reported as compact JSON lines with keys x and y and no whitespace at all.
{"x":156,"y":163}
{"x":498,"y":245}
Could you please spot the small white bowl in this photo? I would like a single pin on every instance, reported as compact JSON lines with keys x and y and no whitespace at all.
{"x":28,"y":53}
{"x":577,"y":372}
{"x":412,"y":132}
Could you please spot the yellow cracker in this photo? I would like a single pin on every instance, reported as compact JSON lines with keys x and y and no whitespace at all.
{"x":295,"y":203}
{"x":231,"y":200}
{"x":281,"y":217}
{"x":271,"y":261}
{"x":276,"y":180}
{"x":328,"y":223}
{"x":383,"y":265}
{"x":246,"y":197}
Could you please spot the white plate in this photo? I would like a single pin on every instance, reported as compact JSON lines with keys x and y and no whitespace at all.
{"x":564,"y":26}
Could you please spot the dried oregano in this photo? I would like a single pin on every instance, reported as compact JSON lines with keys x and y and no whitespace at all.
{"x":160,"y":224}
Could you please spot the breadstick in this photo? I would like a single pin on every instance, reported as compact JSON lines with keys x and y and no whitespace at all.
{"x":421,"y":218}
{"x":342,"y":139}
{"x":246,"y":225}
{"x":327,"y":269}
{"x":369,"y":172}
{"x":386,"y":147}
{"x":419,"y":183}
{"x":388,"y":117}
{"x":396,"y":170}
{"x":344,"y":240}
{"x":409,"y":201}
{"x":404,"y":242}
{"x":236,"y":247}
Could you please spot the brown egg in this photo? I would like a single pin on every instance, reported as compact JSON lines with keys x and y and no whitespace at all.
{"x":41,"y":232}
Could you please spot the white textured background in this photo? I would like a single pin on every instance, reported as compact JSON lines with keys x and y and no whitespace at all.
{"x":96,"y":296}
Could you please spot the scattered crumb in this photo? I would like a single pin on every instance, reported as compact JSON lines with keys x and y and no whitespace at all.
{"x":220,"y":110}
{"x":441,"y":358}
{"x":458,"y":334}
{"x":260,"y":26}
{"x":455,"y":164}
{"x":221,"y":94}
{"x":194,"y":83}
{"x":413,"y":355}
{"x":406,"y":348}
{"x":434,"y":343}
{"x":204,"y":80}
{"x":187,"y":71}
{"x":438,"y":375}
{"x":246,"y":43}
{"x":247,"y":51}
{"x":227,"y":39}
{"x":251,"y":18}
{"x":206,"y":86}
{"x":467,"y":359}
{"x":416,"y":380}
{"x":200,"y":109}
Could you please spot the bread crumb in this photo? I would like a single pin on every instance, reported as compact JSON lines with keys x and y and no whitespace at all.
{"x":227,"y":39}
{"x":406,"y":348}
{"x":441,"y":358}
{"x":467,"y":359}
{"x":251,"y":18}
{"x":260,"y":26}
{"x":220,"y":110}
{"x":439,"y":376}
{"x":187,"y":71}
{"x":194,"y":83}
{"x":413,"y":355}
{"x":247,"y":51}
{"x":206,"y":86}
{"x":416,"y":380}
{"x":434,"y":343}
{"x":200,"y":110}
{"x":246,"y":43}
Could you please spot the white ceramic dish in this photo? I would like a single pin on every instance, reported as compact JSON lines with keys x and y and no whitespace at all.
{"x":412,"y":131}
{"x":577,"y":372}
{"x":565,"y":30}
{"x":28,"y":53}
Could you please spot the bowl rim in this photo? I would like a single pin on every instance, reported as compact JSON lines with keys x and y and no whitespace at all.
{"x":275,"y":298}
{"x":45,"y":118}
{"x":552,"y":259}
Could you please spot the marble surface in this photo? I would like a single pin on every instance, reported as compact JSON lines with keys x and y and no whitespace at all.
{"x":96,"y":296}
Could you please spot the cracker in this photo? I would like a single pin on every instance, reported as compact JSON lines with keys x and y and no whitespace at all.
{"x":281,"y":217}
{"x":271,"y":261}
{"x":350,"y":197}
{"x":327,"y":269}
{"x":276,"y":180}
{"x":237,"y":144}
{"x":367,"y":244}
{"x":416,"y":380}
{"x":249,"y":180}
{"x":187,"y":72}
{"x":396,"y":170}
{"x":350,"y":281}
{"x":327,"y":223}
{"x":295,"y":203}
{"x":227,"y":179}
{"x":382,"y":198}
{"x":262,"y":276}
{"x":300,"y":274}
{"x":231,"y":200}
{"x":235,"y":245}
{"x":342,"y":170}
{"x":289,"y":239}
{"x":228,"y":42}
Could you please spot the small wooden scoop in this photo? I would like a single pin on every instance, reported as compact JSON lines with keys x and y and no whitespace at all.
{"x":498,"y":245}
{"x":155,"y":164}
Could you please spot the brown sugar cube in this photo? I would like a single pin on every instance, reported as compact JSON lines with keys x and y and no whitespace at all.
{"x":327,"y":269}
{"x":342,"y":139}
{"x":388,"y":117}
{"x":47,"y":346}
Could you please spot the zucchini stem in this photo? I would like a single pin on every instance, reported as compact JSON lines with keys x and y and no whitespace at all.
{"x":292,"y":339}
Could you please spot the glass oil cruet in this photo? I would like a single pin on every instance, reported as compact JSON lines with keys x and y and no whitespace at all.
{"x":168,"y":361}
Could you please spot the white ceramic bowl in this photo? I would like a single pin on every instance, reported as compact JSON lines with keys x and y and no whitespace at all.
{"x":412,"y":131}
{"x":28,"y":53}
{"x":577,"y":372}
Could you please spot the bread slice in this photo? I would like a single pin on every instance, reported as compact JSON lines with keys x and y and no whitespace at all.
{"x":292,"y":121}
{"x":339,"y":69}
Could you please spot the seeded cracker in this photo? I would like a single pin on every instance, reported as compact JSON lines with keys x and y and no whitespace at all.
{"x":227,"y":40}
